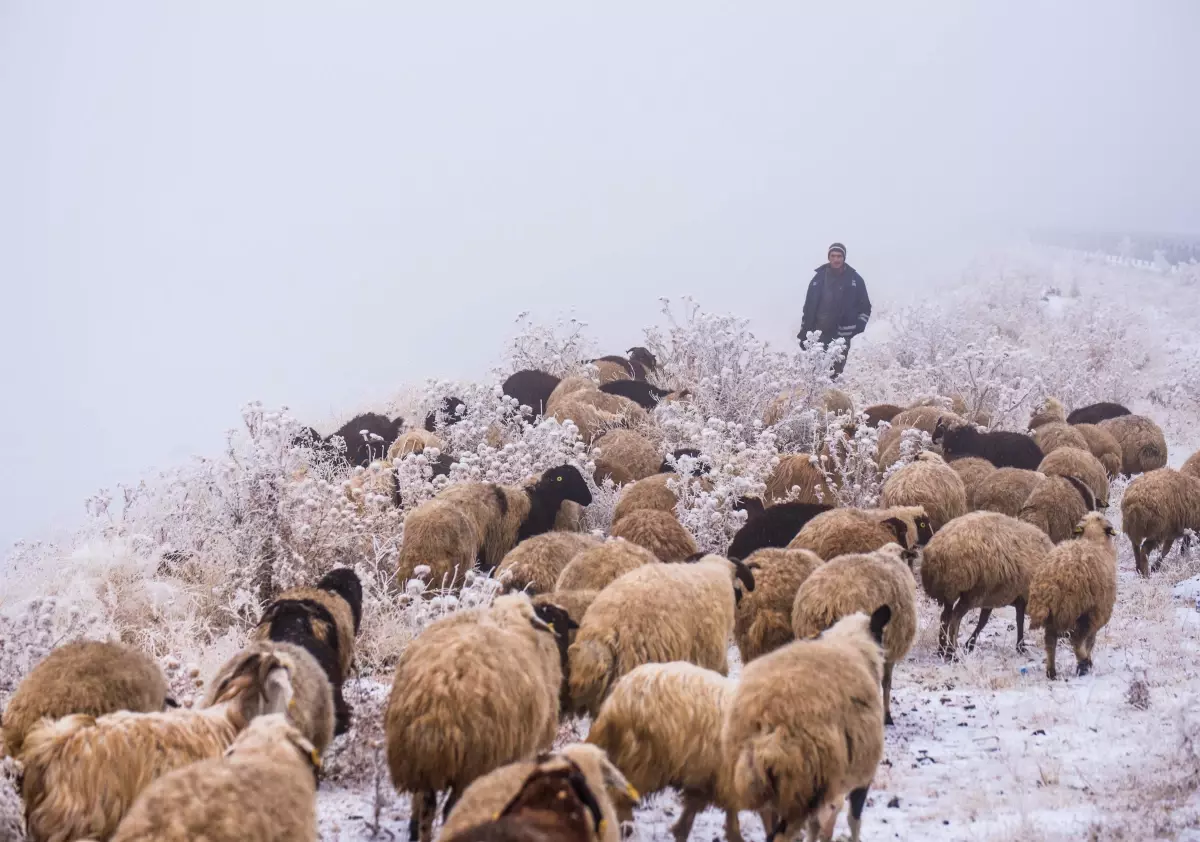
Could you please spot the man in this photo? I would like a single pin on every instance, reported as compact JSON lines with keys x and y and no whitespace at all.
{"x":836,"y":304}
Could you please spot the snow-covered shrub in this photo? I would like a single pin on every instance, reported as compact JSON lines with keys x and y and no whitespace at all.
{"x":558,"y":349}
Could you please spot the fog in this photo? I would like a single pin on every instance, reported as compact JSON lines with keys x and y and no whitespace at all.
{"x":312,"y":206}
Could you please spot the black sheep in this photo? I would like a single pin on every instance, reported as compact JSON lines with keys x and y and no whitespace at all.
{"x":562,"y":625}
{"x":344,"y":582}
{"x":290,"y":621}
{"x":531,"y":388}
{"x":547,"y":495}
{"x":642,"y":361}
{"x":1097,"y":412}
{"x":638,"y":391}
{"x":449,"y":411}
{"x":771,"y":526}
{"x":699,"y":467}
{"x":1003,"y":449}
{"x":381,"y":432}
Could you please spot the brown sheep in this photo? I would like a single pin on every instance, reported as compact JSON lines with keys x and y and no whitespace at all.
{"x":1056,"y":505}
{"x":535,"y":564}
{"x":625,"y":456}
{"x":930,"y":483}
{"x":842,"y":531}
{"x":1192,"y":466}
{"x":1143,"y":446}
{"x":798,"y":470}
{"x":1050,"y":412}
{"x":973,"y":471}
{"x":593,"y":569}
{"x":1103,"y":446}
{"x":1156,"y":509}
{"x":880,"y":412}
{"x":659,"y":532}
{"x":763,"y":619}
{"x":1072,"y":462}
{"x":649,"y":493}
{"x":1050,"y":437}
{"x":1005,"y":491}
{"x":1075,"y":590}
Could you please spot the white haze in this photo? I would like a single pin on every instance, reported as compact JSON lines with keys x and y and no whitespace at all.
{"x":312,"y":205}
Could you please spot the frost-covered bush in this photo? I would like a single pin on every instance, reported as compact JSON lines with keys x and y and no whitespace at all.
{"x":559,"y":348}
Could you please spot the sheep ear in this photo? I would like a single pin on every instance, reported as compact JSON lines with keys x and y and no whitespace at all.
{"x":305,"y":747}
{"x":881,"y":617}
{"x":744,"y":575}
{"x":616,"y":783}
{"x":277,"y":690}
{"x":900,"y":528}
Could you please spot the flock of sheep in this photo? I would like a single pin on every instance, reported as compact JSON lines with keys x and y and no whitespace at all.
{"x":632,"y":630}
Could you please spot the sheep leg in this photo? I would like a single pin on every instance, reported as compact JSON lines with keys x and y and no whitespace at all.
{"x":858,"y":800}
{"x":1079,"y":641}
{"x":1020,"y":606}
{"x":1051,"y":648}
{"x":814,"y":828}
{"x":984,"y":615}
{"x":692,"y":804}
{"x":951,"y":620}
{"x":944,"y":632}
{"x":1166,"y":551}
{"x":733,"y":829}
{"x":341,"y":711}
{"x":887,"y":692}
{"x":451,"y":800}
{"x":424,"y":808}
{"x":1143,"y":559}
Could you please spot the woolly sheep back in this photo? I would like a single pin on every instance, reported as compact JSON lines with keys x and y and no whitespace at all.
{"x":414,"y":441}
{"x":1075,"y":589}
{"x":1056,"y":505}
{"x":1156,"y":509}
{"x":596,"y":567}
{"x":842,"y":531}
{"x":1055,"y":435}
{"x":1103,"y":446}
{"x":973,"y":471}
{"x":1192,"y":466}
{"x":531,"y":388}
{"x":797,"y":470}
{"x":880,"y":412}
{"x":862,"y":582}
{"x":1081,"y":464}
{"x":626,"y":456}
{"x":763,"y":618}
{"x":649,"y":493}
{"x":447,"y":535}
{"x":535,"y":564}
{"x":981,"y":560}
{"x":931,"y":483}
{"x":87,"y":676}
{"x":1005,"y":490}
{"x":659,"y":532}
{"x":1143,"y":446}
{"x":661,"y":726}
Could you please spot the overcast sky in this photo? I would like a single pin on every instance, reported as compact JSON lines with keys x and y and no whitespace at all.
{"x":312,"y":204}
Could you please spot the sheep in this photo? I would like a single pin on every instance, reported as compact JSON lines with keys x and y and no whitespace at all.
{"x":772,"y":526}
{"x":88,"y":677}
{"x":880,"y":412}
{"x":763,"y":619}
{"x":367,"y":437}
{"x":644,"y":394}
{"x":643,"y":361}
{"x":1075,"y":589}
{"x":1056,"y":505}
{"x":837,"y":401}
{"x":474,"y":691}
{"x":1103,"y":446}
{"x":659,"y":532}
{"x":488,"y":795}
{"x":1096,"y":412}
{"x":625,"y":456}
{"x":574,"y":602}
{"x":798,"y":470}
{"x":481,"y":521}
{"x":1055,"y":435}
{"x":263,"y":788}
{"x":595,"y":568}
{"x":593,"y":412}
{"x":841,"y":531}
{"x":414,"y":441}
{"x":567,"y":387}
{"x":448,"y":413}
{"x":1156,"y":509}
{"x":83,"y":773}
{"x":1005,"y":490}
{"x":325,"y":621}
{"x":649,"y":493}
{"x":1143,"y":447}
{"x":1081,"y":464}
{"x":832,"y":401}
{"x":661,"y":726}
{"x":805,"y":729}
{"x":930,"y":483}
{"x":656,"y":613}
{"x":531,"y":388}
{"x":924,"y":418}
{"x":851,"y":583}
{"x":671,"y":462}
{"x":1192,"y":466}
{"x":973,"y":471}
{"x":1050,"y":412}
{"x":981,"y":560}
{"x":555,"y":803}
{"x":612,"y":368}
{"x":1003,"y":449}
{"x":535,"y":564}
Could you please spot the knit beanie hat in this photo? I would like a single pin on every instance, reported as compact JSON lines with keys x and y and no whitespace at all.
{"x":839,"y":248}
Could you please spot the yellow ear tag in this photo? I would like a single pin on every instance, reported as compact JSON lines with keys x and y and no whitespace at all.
{"x":292,"y":704}
{"x":315,"y":756}
{"x":551,"y":627}
{"x":632,"y":793}
{"x":600,"y":829}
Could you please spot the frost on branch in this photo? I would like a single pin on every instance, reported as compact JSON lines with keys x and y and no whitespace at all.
{"x":558,"y":349}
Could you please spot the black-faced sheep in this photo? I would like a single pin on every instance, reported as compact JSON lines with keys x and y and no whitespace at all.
{"x":625,"y":456}
{"x":1143,"y":446}
{"x":798,"y":471}
{"x":483,"y":800}
{"x":1005,"y":490}
{"x":1103,"y":446}
{"x":535,"y":564}
{"x":596,"y":567}
{"x":481,"y":521}
{"x":656,"y":613}
{"x":772,"y":526}
{"x":1075,"y":589}
{"x":1056,"y":505}
{"x":644,"y":394}
{"x":1081,"y":464}
{"x":1156,"y":509}
{"x":474,"y":691}
{"x":930,"y":483}
{"x":368,"y":437}
{"x":82,"y":773}
{"x":643,"y":362}
{"x":531,"y":388}
{"x":659,"y":532}
{"x":851,"y":583}
{"x":1096,"y":412}
{"x":89,"y":677}
{"x":1003,"y":449}
{"x":449,"y":412}
{"x":805,"y":729}
{"x":661,"y":725}
{"x":323,"y":620}
{"x":262,"y":789}
{"x":981,"y":560}
{"x":763,"y":620}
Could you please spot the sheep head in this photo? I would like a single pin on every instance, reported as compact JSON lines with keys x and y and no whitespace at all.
{"x":345,"y":583}
{"x":1095,"y":527}
{"x":565,"y":483}
{"x":743,"y":576}
{"x":253,"y":683}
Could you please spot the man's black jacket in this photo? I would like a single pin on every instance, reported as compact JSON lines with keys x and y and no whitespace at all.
{"x":855,"y":305}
